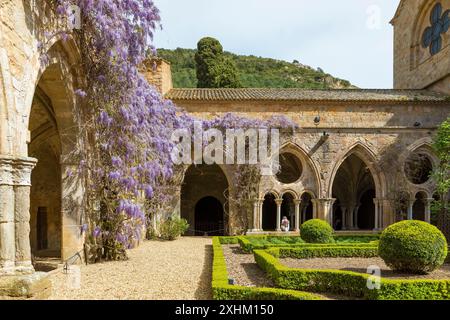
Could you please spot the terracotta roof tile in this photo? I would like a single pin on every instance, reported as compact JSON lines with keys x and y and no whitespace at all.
{"x":375,"y":95}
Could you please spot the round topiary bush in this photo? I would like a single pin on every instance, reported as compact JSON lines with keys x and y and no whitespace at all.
{"x":316,"y":231}
{"x":413,"y":246}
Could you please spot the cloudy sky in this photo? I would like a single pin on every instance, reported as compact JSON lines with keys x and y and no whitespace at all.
{"x":351,"y":39}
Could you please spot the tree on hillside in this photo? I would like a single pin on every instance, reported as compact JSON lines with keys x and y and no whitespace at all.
{"x":442,"y":177}
{"x":214,"y":70}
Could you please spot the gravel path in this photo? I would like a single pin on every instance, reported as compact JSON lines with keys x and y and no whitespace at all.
{"x":155,"y":271}
{"x":243,"y":269}
{"x":361,"y":265}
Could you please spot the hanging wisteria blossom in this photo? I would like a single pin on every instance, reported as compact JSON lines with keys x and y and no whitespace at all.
{"x":129,"y":123}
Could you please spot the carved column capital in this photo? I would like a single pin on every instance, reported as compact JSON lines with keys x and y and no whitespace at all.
{"x":22,"y":171}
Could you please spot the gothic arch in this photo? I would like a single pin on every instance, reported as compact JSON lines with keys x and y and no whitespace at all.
{"x":424,"y":145}
{"x":306,"y":160}
{"x":63,"y":75}
{"x":370,"y":160}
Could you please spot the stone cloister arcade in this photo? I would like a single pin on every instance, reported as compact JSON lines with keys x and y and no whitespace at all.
{"x":359,"y":199}
{"x":342,"y":169}
{"x":41,"y":203}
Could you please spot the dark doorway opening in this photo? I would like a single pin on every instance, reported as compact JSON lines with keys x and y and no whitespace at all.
{"x":337,"y":216}
{"x":288,"y":210}
{"x":419,"y":207}
{"x":269,"y":218}
{"x":366,"y":212}
{"x":209,"y":217}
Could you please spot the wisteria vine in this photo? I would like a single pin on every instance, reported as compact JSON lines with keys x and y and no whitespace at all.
{"x":129,"y":124}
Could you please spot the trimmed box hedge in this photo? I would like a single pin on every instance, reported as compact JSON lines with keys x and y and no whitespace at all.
{"x":347,"y":283}
{"x":248,"y":246}
{"x":223,"y":291}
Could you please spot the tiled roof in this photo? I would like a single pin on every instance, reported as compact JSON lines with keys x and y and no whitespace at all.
{"x":369,"y":95}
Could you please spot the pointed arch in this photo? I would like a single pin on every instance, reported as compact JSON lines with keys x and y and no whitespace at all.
{"x":366,"y":155}
{"x":306,"y":159}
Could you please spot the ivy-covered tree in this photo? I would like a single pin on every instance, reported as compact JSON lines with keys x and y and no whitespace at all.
{"x":214,"y":70}
{"x":441,"y":176}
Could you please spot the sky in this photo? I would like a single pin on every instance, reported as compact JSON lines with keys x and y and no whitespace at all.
{"x":350,"y":39}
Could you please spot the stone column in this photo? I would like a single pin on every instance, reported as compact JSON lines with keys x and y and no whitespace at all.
{"x":355,"y":215}
{"x":388,"y":213}
{"x":279,"y":202}
{"x":255,"y":216}
{"x":260,"y":213}
{"x":324,"y":209}
{"x":297,"y":204}
{"x":344,"y":217}
{"x":376,"y":202}
{"x":410,"y":209}
{"x":427,"y":203}
{"x":350,"y":207}
{"x":22,"y":182}
{"x":7,"y":227}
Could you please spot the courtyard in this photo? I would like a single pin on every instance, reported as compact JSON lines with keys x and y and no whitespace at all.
{"x":156,"y":270}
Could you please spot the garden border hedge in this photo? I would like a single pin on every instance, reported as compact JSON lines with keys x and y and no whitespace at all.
{"x":223,"y":291}
{"x":247,"y":246}
{"x":348,"y":283}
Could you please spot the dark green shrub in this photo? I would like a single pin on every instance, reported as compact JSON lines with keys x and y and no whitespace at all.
{"x":316,"y":231}
{"x":413,"y":246}
{"x":223,"y":291}
{"x":347,"y":283}
{"x":172,"y":228}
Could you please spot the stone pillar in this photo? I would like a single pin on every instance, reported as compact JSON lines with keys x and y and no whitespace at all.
{"x":72,"y":211}
{"x":7,"y":227}
{"x":355,"y":215}
{"x":255,"y":216}
{"x":344,"y":217}
{"x":260,"y":213}
{"x":378,"y":214}
{"x":410,"y":209}
{"x":297,"y":215}
{"x":324,"y":209}
{"x":350,"y":208}
{"x":22,"y":214}
{"x":315,"y":209}
{"x":279,"y":202}
{"x":388,"y":213}
{"x":427,"y":203}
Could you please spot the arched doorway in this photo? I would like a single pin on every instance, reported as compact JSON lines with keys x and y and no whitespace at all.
{"x":45,"y":195}
{"x":209,"y":217}
{"x":288,"y":209}
{"x":307,"y":209}
{"x":419,"y":206}
{"x":269,"y":215}
{"x":204,"y":196}
{"x":354,"y":191}
{"x":56,"y":195}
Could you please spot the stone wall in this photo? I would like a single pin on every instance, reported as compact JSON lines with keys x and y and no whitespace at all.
{"x":414,"y":66}
{"x":159,"y":74}
{"x":30,"y":31}
{"x":383,"y":135}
